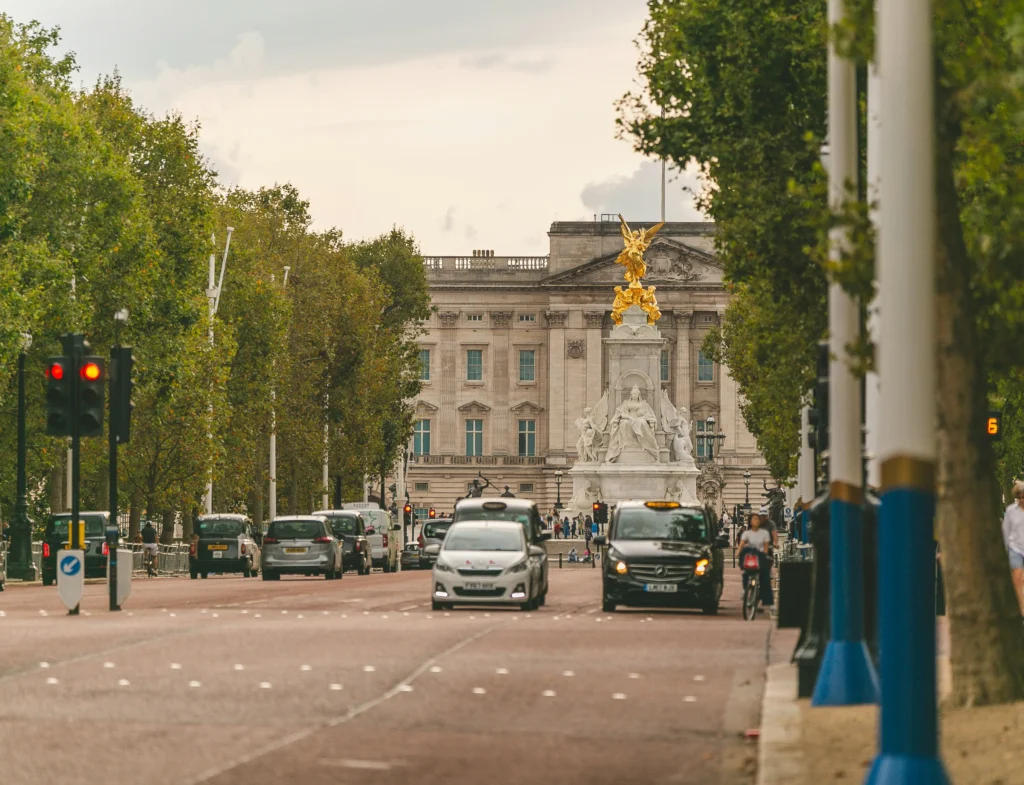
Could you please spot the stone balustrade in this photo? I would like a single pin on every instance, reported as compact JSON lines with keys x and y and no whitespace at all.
{"x":469,"y":267}
{"x":478,"y":460}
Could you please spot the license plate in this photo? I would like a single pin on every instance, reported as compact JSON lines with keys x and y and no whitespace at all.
{"x":218,"y":554}
{"x":479,"y":586}
{"x":295,"y":550}
{"x":217,"y":547}
{"x":655,"y":588}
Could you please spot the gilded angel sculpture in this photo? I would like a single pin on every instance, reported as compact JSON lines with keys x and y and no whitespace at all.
{"x":632,"y":256}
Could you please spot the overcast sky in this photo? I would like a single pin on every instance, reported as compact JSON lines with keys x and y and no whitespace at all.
{"x":472,"y":123}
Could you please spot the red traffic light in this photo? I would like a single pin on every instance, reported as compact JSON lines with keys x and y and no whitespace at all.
{"x":90,"y":372}
{"x":55,"y":371}
{"x":597,"y":506}
{"x":431,"y":513}
{"x":407,"y":509}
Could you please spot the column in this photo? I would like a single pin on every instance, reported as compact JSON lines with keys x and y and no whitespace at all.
{"x":684,"y":359}
{"x":594,"y":321}
{"x":556,"y":381}
{"x":448,"y":432}
{"x":500,"y":436}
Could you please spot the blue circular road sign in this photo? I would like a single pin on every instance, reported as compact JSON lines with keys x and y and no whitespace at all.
{"x":70,"y":565}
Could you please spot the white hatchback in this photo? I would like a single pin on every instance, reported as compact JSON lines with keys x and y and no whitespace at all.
{"x":486,"y":563}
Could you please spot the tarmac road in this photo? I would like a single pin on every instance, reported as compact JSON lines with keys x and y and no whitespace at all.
{"x":233,"y":680}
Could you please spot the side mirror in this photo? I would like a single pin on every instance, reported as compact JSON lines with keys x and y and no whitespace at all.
{"x":370,"y":530}
{"x":432,"y":550}
{"x":536,"y":550}
{"x":600,"y":540}
{"x":722,"y":541}
{"x":441,"y":534}
{"x":544,"y":536}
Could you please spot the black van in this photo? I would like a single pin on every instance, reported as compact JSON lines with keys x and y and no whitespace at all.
{"x":56,"y":537}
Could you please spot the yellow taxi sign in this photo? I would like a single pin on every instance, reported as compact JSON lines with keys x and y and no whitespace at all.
{"x":662,"y":505}
{"x":994,"y":425}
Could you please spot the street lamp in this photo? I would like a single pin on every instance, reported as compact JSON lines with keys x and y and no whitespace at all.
{"x":708,"y":438}
{"x":21,"y":565}
{"x":558,"y":489}
{"x":746,"y":484}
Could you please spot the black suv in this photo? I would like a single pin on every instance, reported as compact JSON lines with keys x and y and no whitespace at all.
{"x":662,"y":553}
{"x":55,"y":538}
{"x":350,"y":530}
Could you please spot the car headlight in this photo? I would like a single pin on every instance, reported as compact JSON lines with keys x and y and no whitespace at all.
{"x":517,"y":567}
{"x":621,"y":568}
{"x":440,"y":565}
{"x":702,"y":567}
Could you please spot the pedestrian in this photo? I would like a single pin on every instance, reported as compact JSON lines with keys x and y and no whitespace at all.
{"x":6,"y":531}
{"x":1013,"y":537}
{"x":558,"y":530}
{"x":593,"y":529}
{"x":574,"y":529}
{"x":767,"y":524}
{"x":588,"y":535}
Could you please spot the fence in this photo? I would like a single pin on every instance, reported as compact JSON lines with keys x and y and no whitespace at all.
{"x":171,"y":560}
{"x":3,"y":563}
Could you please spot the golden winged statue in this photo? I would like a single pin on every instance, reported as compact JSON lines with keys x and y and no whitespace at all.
{"x":632,"y":258}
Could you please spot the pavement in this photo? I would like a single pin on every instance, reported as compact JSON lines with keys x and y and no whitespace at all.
{"x":233,"y":680}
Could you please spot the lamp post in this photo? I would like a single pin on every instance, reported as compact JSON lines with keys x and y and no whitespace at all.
{"x":746,"y":488}
{"x":558,"y":489}
{"x":20,"y":564}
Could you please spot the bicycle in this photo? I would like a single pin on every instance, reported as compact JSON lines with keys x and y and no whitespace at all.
{"x":149,"y":560}
{"x":752,"y":592}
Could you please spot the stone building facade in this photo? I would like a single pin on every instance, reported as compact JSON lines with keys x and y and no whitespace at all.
{"x":514,"y":351}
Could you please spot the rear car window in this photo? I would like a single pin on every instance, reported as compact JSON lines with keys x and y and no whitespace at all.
{"x":93,"y":526}
{"x":221,"y":528}
{"x":493,"y":515}
{"x":469,"y":538}
{"x":434,"y":529}
{"x":343,"y":525}
{"x":667,"y":524}
{"x":294,"y":530}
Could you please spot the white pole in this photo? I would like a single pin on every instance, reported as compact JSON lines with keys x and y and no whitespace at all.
{"x":327,"y":448}
{"x":211,"y":299}
{"x":872,"y":384}
{"x":663,"y":178}
{"x":400,"y":497}
{"x":273,"y":432}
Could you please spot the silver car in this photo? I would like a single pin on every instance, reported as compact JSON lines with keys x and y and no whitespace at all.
{"x":301,"y":545}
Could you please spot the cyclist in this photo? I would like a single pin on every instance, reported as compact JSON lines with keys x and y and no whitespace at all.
{"x":149,"y":546}
{"x":758,"y":541}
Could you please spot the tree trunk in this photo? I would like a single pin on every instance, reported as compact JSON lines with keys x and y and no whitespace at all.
{"x":134,"y":515}
{"x":293,"y":489}
{"x":167,"y":527}
{"x":256,"y":496}
{"x":987,"y":655}
{"x":56,"y":488}
{"x":187,"y":524}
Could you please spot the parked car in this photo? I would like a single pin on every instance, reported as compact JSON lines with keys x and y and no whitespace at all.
{"x":301,"y":545}
{"x":486,"y":563}
{"x":662,"y":553}
{"x":521,"y":511}
{"x":56,"y":537}
{"x":349,"y":528}
{"x":226,"y":545}
{"x":383,"y":534}
{"x":411,"y":556}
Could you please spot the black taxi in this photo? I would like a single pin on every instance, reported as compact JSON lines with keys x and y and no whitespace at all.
{"x":226,"y":544}
{"x":56,"y":537}
{"x":662,"y":554}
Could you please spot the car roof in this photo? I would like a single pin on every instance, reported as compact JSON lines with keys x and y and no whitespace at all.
{"x":510,"y":525}
{"x":282,"y":518}
{"x":234,"y":516}
{"x":83,"y":512}
{"x":345,"y":513}
{"x":480,"y":501}
{"x":637,"y":503}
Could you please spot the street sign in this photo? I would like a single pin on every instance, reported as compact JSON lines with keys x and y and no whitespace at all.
{"x":124,"y":575}
{"x":71,"y":578}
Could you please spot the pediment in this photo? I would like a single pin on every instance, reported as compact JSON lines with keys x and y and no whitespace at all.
{"x":526,"y":407}
{"x":425,"y":406}
{"x":474,"y":407}
{"x":670,"y":263}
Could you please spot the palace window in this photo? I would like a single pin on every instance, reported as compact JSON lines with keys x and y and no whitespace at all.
{"x":527,"y":365}
{"x":421,"y":438}
{"x":705,"y":368}
{"x":424,"y":365}
{"x":664,"y":365}
{"x":421,"y":513}
{"x":527,"y":317}
{"x":526,"y":487}
{"x":705,"y":443}
{"x":474,"y":437}
{"x":422,"y":486}
{"x":474,"y":365}
{"x":474,"y":317}
{"x":527,"y":438}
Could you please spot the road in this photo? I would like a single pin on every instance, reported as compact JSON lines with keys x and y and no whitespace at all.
{"x":231,"y":680}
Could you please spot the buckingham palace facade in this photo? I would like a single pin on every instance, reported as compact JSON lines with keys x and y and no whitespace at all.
{"x":513,"y":353}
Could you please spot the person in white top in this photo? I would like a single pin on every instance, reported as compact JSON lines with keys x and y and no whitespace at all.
{"x":1013,"y":537}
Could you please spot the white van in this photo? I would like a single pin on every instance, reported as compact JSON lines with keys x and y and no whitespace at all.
{"x":386,"y":539}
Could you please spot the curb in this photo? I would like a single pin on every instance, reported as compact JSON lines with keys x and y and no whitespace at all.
{"x":780,"y":757}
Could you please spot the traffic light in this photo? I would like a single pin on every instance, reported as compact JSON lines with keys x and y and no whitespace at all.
{"x":431,"y":513}
{"x":817,"y":439}
{"x":600,"y":512}
{"x":407,"y":515}
{"x":121,"y":387}
{"x":994,"y":426}
{"x":58,"y":396}
{"x":92,"y":379}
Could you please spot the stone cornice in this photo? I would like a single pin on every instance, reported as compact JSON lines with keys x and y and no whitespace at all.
{"x":448,"y":318}
{"x":557,"y":319}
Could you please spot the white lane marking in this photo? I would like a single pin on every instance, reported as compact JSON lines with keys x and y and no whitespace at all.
{"x":650,"y":618}
{"x":215,"y":615}
{"x":698,"y":678}
{"x":592,"y":610}
{"x":344,"y":615}
{"x":239,"y":666}
{"x":619,"y":696}
{"x":384,"y":615}
{"x":515,"y":618}
{"x":365,"y":765}
{"x":108,"y":665}
{"x":245,"y":611}
{"x":306,"y":668}
{"x":405,"y":688}
{"x":123,"y":683}
{"x":326,"y":613}
{"x":368,"y":669}
{"x":548,"y":693}
{"x":366,"y":613}
{"x":172,"y":614}
{"x":446,"y":615}
{"x":44,"y":665}
{"x":2,"y":614}
{"x":479,"y":691}
{"x":300,"y":616}
{"x":690,"y":699}
{"x":336,"y":687}
{"x":265,"y":685}
{"x":409,"y":608}
{"x":283,"y":612}
{"x":254,"y":602}
{"x":51,"y":680}
{"x":502,"y":671}
{"x":258,"y":615}
{"x":429,"y":616}
{"x":568,"y":673}
{"x":435,"y":669}
{"x":472,"y":617}
{"x":195,"y":684}
{"x":42,"y":613}
{"x":405,"y":613}
{"x":175,"y":666}
{"x":487,"y":615}
{"x":203,"y":610}
{"x":634,"y":675}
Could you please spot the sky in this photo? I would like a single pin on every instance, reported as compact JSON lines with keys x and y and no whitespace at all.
{"x":473,"y":124}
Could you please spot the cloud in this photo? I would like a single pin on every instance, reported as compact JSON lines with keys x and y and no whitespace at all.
{"x":638,"y":196}
{"x":501,"y":61}
{"x":449,"y":220}
{"x":243,"y":64}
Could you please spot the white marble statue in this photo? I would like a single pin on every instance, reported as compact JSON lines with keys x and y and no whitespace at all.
{"x":678,"y":427}
{"x":583,"y":500}
{"x":632,"y":426}
{"x":586,"y":446}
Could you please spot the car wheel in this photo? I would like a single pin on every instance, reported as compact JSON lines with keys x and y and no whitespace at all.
{"x":387,"y":566}
{"x":193,"y":574}
{"x":47,"y":581}
{"x":203,"y":575}
{"x":436,"y":606}
{"x":542,"y":600}
{"x":255,"y":570}
{"x":531,"y":602}
{"x":267,"y":576}
{"x":247,"y":570}
{"x":608,"y":606}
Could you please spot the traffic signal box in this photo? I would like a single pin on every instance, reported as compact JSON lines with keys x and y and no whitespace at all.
{"x":817,"y":439}
{"x":92,"y":381}
{"x":58,"y":396}
{"x":121,"y":388}
{"x":600,"y":512}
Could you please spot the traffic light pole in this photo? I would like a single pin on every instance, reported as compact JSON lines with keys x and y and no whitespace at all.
{"x":112,"y":435}
{"x":74,"y":348}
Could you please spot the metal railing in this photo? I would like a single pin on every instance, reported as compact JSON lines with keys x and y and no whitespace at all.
{"x":171,"y":559}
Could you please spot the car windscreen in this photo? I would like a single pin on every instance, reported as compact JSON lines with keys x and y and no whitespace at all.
{"x":343,"y":524}
{"x":670,"y":524}
{"x":468,"y":538}
{"x":493,"y":515}
{"x":436,"y":529}
{"x":93,"y":526}
{"x":294,"y":530}
{"x":225,"y":527}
